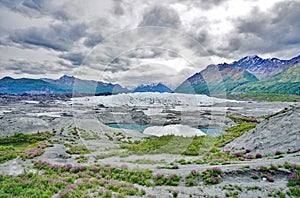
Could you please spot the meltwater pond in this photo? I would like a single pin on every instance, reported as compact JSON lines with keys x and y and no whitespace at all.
{"x":142,"y":127}
{"x":136,"y":127}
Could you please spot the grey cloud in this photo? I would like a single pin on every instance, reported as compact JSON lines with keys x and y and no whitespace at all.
{"x":75,"y":58}
{"x":118,"y":8}
{"x":208,"y":4}
{"x":93,"y":40}
{"x":37,"y":8}
{"x":34,"y":68}
{"x":266,"y":32}
{"x":145,"y":74}
{"x":203,"y":4}
{"x":58,"y":37}
{"x":145,"y":53}
{"x":271,"y":31}
{"x":119,"y":64}
{"x":161,"y":16}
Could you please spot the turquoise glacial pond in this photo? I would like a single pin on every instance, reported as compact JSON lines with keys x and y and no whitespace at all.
{"x":142,"y":127}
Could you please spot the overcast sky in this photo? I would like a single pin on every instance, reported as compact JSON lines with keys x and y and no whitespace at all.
{"x":132,"y":42}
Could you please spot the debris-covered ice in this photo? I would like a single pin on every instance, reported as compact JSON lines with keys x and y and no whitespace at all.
{"x":175,"y":129}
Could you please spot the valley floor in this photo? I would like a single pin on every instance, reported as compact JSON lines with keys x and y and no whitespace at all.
{"x":81,"y":156}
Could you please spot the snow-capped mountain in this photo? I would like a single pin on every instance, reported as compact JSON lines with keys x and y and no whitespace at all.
{"x":264,"y":68}
{"x":153,"y":88}
{"x":249,"y":74}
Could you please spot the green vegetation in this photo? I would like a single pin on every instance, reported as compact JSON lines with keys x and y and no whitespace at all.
{"x":21,"y":138}
{"x":112,"y":154}
{"x":82,"y":159}
{"x":26,"y":146}
{"x":209,"y":176}
{"x":8,"y":153}
{"x":286,"y":82}
{"x":225,"y":81}
{"x":170,"y":180}
{"x":167,"y":144}
{"x":206,"y":146}
{"x":76,"y":149}
{"x":271,"y":97}
{"x":146,"y":161}
{"x":138,"y":176}
{"x":239,"y":119}
{"x":212,"y":175}
{"x":67,"y":184}
{"x":233,"y":132}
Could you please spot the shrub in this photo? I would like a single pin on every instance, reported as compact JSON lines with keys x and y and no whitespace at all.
{"x":238,"y":154}
{"x":175,"y":193}
{"x":254,"y":176}
{"x":190,"y":182}
{"x":294,"y":178}
{"x":294,"y":192}
{"x":269,"y":178}
{"x":273,"y":167}
{"x":247,"y":150}
{"x":263,"y":168}
{"x":258,"y":155}
{"x":212,"y":175}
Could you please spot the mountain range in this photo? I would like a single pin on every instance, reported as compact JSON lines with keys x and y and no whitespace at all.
{"x":153,"y":88}
{"x":264,"y":68}
{"x":247,"y":75}
{"x":65,"y":84}
{"x":251,"y":74}
{"x":216,"y":79}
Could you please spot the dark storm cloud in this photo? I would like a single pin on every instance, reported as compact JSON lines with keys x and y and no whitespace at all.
{"x":58,"y":37}
{"x":37,"y":8}
{"x":34,"y":68}
{"x":266,"y":32}
{"x":118,"y":64}
{"x":161,"y":16}
{"x":75,"y":58}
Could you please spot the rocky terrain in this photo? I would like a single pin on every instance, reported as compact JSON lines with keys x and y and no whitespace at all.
{"x":80,"y":155}
{"x":277,"y":133}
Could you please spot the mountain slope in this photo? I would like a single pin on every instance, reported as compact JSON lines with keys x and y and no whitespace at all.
{"x":286,"y":82}
{"x":161,"y":88}
{"x":26,"y":85}
{"x":265,"y":68}
{"x":280,"y":132}
{"x":86,"y":86}
{"x":65,"y":84}
{"x":216,"y":79}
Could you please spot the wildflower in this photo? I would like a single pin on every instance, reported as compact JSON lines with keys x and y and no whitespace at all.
{"x":194,"y":172}
{"x":238,"y":154}
{"x":258,"y":155}
{"x":226,"y":151}
{"x":124,"y":166}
